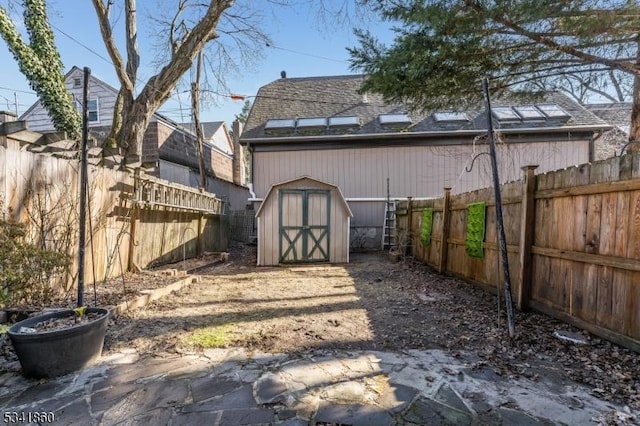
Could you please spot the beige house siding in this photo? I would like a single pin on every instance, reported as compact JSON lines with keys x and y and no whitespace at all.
{"x":269,"y":226}
{"x":222,"y":165}
{"x":417,"y":171}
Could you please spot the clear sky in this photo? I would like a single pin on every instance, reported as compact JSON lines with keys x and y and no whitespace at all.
{"x":301,"y":44}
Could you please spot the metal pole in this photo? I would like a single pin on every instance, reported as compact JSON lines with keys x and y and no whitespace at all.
{"x":83,"y":186}
{"x":499,"y":220}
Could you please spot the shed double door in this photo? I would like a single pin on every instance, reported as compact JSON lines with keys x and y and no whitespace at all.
{"x":304,"y":225}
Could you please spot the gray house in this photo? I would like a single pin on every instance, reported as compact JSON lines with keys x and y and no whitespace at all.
{"x":613,"y":141}
{"x":169,"y":149}
{"x":375,"y":153}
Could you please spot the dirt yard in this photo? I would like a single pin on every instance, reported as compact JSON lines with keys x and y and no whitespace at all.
{"x":370,"y":303}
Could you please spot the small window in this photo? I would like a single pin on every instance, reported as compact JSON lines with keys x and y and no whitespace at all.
{"x":553,"y":111}
{"x":280,"y":124}
{"x":93,"y":107}
{"x":312,"y":122}
{"x":529,"y":113}
{"x":450,"y":116}
{"x":94,"y":115}
{"x":77,"y":83}
{"x":394,"y":119}
{"x":350,"y":120}
{"x":505,"y":114}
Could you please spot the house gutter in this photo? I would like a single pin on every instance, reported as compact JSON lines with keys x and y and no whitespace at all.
{"x":428,"y":134}
{"x":250,"y":184}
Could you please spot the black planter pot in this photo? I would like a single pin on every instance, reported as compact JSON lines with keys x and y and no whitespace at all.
{"x":58,"y":352}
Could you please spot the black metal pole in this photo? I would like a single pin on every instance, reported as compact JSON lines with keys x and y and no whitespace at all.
{"x":499,"y":220}
{"x":83,"y":186}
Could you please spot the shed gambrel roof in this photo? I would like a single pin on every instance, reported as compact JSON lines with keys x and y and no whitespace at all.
{"x":272,"y":189}
{"x":334,"y":96}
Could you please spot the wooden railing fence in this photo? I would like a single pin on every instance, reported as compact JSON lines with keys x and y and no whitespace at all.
{"x":573,"y":242}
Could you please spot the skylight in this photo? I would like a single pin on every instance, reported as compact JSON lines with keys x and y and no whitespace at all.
{"x":451,"y":116}
{"x":350,"y":120}
{"x":529,"y":113}
{"x":280,"y":124}
{"x":394,"y":119}
{"x":505,"y":114}
{"x":312,"y":122}
{"x":553,"y":111}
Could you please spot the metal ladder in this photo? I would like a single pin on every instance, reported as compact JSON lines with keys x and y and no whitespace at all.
{"x":389,"y":227}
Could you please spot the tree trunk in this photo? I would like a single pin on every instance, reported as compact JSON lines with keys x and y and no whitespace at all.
{"x":134,"y":125}
{"x":195,"y":105}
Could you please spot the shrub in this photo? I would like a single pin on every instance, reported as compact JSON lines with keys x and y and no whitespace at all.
{"x":26,"y":270}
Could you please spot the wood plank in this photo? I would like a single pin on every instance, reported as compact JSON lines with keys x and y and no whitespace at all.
{"x":608,"y":223}
{"x":527,"y":230}
{"x":634,"y":306}
{"x":444,"y":228}
{"x":597,"y":188}
{"x":540,"y":273}
{"x":623,"y":263}
{"x":603,"y":300}
{"x":633,"y":237}
{"x":574,"y":270}
{"x":621,"y":302}
{"x":587,"y":300}
{"x":580,"y":285}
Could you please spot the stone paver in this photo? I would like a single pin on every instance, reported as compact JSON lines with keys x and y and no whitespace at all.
{"x":229,"y":387}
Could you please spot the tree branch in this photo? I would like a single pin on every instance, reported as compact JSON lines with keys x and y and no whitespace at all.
{"x":102,"y":12}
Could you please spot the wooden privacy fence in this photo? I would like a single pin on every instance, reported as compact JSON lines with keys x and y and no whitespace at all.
{"x":573,"y":243}
{"x":134,"y":222}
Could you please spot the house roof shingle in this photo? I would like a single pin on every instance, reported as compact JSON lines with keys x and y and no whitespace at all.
{"x":617,"y":114}
{"x":331,"y":96}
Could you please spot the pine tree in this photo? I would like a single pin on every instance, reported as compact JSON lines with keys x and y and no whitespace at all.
{"x":444,"y":47}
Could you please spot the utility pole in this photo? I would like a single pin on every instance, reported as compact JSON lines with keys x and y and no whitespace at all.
{"x":499,"y":220}
{"x":83,"y":186}
{"x":195,"y":105}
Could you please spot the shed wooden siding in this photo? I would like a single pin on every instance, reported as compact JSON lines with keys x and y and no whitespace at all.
{"x":418,"y":171}
{"x":268,"y":223}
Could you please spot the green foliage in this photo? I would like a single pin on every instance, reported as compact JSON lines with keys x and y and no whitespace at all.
{"x":475,"y":229}
{"x":443,"y":48}
{"x":40,"y":63}
{"x":25,"y":270}
{"x":427,"y":222}
{"x":244,"y":113}
{"x":210,"y":337}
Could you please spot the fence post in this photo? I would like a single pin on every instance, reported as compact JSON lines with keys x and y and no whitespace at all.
{"x":409,"y":230}
{"x":138,"y":195}
{"x":201,"y":224}
{"x":446,"y":218}
{"x":527,"y":230}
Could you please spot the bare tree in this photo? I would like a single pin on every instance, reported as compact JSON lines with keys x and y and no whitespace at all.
{"x":133,"y":112}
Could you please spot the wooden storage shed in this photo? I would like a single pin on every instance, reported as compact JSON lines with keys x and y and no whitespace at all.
{"x":303,"y":220}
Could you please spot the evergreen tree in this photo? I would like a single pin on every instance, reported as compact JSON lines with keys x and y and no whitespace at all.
{"x":443,"y":48}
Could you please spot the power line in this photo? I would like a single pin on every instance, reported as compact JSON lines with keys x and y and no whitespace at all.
{"x":83,"y":45}
{"x":306,"y":54}
{"x":18,"y":90}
